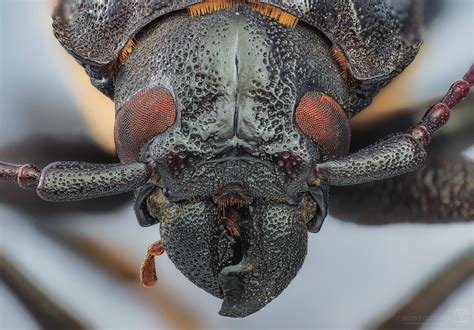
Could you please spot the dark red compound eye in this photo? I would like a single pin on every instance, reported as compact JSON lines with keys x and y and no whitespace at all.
{"x":148,"y":113}
{"x":321,"y":118}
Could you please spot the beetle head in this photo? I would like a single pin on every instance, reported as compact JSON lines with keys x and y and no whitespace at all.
{"x":224,"y":105}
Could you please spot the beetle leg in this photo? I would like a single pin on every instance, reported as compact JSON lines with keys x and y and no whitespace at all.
{"x":442,"y":191}
{"x":397,"y":154}
{"x":422,"y":305}
{"x":148,"y":269}
{"x":72,"y":181}
{"x":48,"y":313}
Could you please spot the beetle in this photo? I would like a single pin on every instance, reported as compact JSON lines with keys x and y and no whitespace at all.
{"x":232,"y":124}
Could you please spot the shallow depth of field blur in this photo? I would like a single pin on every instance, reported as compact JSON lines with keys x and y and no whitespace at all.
{"x":353,"y":276}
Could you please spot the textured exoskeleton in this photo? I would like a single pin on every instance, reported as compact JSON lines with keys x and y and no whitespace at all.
{"x":233,"y":121}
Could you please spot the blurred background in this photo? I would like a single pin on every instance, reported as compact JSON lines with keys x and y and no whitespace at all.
{"x":79,"y":263}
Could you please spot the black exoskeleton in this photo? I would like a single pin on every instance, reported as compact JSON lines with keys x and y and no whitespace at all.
{"x":232,"y":122}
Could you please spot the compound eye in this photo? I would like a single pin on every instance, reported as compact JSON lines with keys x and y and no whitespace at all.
{"x":148,"y":113}
{"x":321,"y":118}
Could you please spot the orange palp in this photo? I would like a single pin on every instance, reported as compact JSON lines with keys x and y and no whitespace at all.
{"x":148,"y":270}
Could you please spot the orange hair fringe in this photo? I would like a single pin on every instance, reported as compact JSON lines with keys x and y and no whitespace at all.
{"x":127,"y":50}
{"x":277,"y":14}
{"x":341,"y":60}
{"x":212,"y":6}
